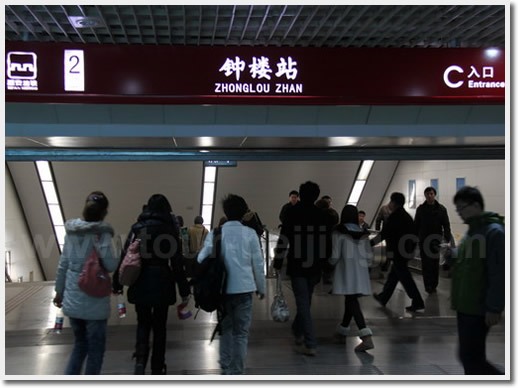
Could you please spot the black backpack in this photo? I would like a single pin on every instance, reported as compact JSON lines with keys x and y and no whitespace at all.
{"x":210,"y":281}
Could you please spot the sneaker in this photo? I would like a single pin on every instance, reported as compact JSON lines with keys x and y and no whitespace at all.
{"x":379,"y":300}
{"x":419,"y":308}
{"x":303,"y":349}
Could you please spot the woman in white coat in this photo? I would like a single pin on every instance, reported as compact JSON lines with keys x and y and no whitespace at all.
{"x":352,"y":255}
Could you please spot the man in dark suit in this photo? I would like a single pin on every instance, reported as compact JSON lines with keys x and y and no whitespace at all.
{"x":400,"y":235}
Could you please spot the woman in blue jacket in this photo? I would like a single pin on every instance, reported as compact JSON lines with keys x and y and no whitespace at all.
{"x":88,"y":315}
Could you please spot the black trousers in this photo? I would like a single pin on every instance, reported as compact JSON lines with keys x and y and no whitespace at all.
{"x":399,"y":272}
{"x":430,"y":265}
{"x":473,"y":332}
{"x":353,"y":310}
{"x":152,"y":318}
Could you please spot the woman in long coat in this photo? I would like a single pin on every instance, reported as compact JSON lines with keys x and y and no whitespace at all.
{"x":155,"y":289}
{"x":352,"y":255}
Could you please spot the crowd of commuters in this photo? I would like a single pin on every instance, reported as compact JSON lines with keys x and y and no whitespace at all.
{"x":313,"y":241}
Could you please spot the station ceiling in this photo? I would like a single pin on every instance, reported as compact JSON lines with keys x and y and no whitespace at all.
{"x":261,"y":25}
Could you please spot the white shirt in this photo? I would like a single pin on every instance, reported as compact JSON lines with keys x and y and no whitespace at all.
{"x":242,"y":256}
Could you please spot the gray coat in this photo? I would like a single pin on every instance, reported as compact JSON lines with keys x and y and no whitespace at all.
{"x":79,"y":242}
{"x":352,"y":255}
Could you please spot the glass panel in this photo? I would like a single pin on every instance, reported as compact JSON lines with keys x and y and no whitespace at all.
{"x":365,"y":169}
{"x":210,"y":174}
{"x":356,"y":192}
{"x":208,"y":193}
{"x":44,"y":170}
{"x":411,"y":194}
{"x":60,"y":233}
{"x":461,"y":182}
{"x":55,"y":215}
{"x":50,"y":192}
{"x":206,"y":213}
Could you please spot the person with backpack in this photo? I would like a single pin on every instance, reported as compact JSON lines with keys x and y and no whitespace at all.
{"x":155,"y":290}
{"x":244,"y":267}
{"x":88,"y":314}
{"x":197,"y":235}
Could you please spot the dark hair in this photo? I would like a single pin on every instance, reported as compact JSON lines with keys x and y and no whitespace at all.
{"x":294,"y":192}
{"x":158,"y":203}
{"x":397,"y":198}
{"x":361,"y":212}
{"x":96,"y":207}
{"x":222,"y":220}
{"x":234,"y":207}
{"x":469,"y":195}
{"x":322,"y":204}
{"x":349,"y":215}
{"x":180,"y":221}
{"x":430,"y":188}
{"x":309,"y":192}
{"x":325,"y":197}
{"x":198,"y":220}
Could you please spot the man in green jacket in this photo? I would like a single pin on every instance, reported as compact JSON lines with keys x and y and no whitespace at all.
{"x":478,"y":281}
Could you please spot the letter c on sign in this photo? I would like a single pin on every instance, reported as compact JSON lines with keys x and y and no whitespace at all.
{"x":447,"y":73}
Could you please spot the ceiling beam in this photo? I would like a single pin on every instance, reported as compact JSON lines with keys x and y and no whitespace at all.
{"x":121,"y":24}
{"x":91,"y":29}
{"x":351,"y":23}
{"x":250,"y":11}
{"x":262,"y":23}
{"x":75,"y":29}
{"x":137,"y":23}
{"x":26,"y":24}
{"x":42,"y":23}
{"x":105,"y":23}
{"x":322,"y":24}
{"x":305,"y":25}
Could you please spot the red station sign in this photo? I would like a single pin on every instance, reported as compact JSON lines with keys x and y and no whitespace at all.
{"x":146,"y":74}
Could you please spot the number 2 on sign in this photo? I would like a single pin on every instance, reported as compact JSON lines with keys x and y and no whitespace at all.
{"x":74,"y":74}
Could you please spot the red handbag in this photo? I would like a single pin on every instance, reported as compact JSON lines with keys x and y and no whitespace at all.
{"x":94,"y":279}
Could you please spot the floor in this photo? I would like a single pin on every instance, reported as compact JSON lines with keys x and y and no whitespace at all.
{"x":405,"y":344}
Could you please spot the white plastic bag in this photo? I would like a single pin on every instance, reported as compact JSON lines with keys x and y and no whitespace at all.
{"x":279,"y":309}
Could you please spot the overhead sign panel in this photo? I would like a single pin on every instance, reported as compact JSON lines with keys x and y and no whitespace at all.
{"x":220,"y":163}
{"x":59,"y":72}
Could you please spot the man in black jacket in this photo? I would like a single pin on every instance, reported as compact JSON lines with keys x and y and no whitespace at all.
{"x":294,"y":199}
{"x":306,"y":232}
{"x":432,"y":226}
{"x":399,"y":233}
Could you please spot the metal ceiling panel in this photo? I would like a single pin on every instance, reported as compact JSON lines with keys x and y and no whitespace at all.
{"x":246,"y":143}
{"x":259,"y":25}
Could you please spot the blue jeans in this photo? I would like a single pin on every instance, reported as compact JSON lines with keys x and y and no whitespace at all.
{"x":90,"y":341}
{"x":233,"y":342}
{"x":303,"y":323}
{"x":473,"y":332}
